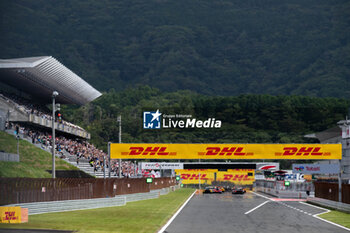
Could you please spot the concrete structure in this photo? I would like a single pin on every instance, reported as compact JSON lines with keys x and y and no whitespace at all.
{"x":12,"y":112}
{"x":8,"y":157}
{"x":35,"y":79}
{"x":40,"y":76}
{"x":337,"y":134}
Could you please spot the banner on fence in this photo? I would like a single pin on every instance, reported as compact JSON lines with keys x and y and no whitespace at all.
{"x":207,"y":176}
{"x":10,"y":214}
{"x":316,"y":168}
{"x":162,"y":166}
{"x":225,"y":151}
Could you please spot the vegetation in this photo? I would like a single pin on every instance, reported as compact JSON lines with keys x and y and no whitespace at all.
{"x":140,"y":216}
{"x":338,"y":217}
{"x":245,"y":118}
{"x":34,"y":162}
{"x":227,"y":47}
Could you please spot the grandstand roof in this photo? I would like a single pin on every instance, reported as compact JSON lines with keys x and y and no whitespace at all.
{"x":40,"y":76}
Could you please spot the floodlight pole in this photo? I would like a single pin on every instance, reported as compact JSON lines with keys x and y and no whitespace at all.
{"x":109,"y":160}
{"x":199,"y":178}
{"x":104,"y":167}
{"x":135,"y":168}
{"x":119,"y":119}
{"x":345,"y":127}
{"x":339,"y":183}
{"x":54,"y":95}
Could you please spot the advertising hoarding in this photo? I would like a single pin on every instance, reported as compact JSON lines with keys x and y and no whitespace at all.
{"x":207,"y":176}
{"x":316,"y":168}
{"x":162,"y":166}
{"x":225,"y":151}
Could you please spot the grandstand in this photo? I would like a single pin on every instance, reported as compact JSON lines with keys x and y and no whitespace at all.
{"x":26,"y":87}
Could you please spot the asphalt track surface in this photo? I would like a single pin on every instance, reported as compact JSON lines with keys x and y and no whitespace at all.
{"x":208,"y":213}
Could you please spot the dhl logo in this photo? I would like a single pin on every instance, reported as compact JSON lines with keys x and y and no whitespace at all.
{"x":303,"y":151}
{"x":194,"y":176}
{"x":10,"y":216}
{"x":229,"y":177}
{"x":148,"y":151}
{"x":225,"y":151}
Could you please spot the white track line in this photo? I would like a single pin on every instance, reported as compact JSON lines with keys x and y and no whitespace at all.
{"x":315,"y":215}
{"x":256,"y":207}
{"x":322,"y":219}
{"x":174,"y":216}
{"x":262,"y":196}
{"x":314,"y":206}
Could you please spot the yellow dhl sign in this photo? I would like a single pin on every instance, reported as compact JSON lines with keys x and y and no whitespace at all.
{"x":10,"y":214}
{"x":207,"y":176}
{"x":225,"y":151}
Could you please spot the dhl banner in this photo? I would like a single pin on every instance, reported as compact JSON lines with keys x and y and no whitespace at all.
{"x":207,"y":176}
{"x":225,"y":151}
{"x":10,"y":214}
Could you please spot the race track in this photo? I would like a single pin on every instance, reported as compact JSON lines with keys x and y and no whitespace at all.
{"x":207,"y":213}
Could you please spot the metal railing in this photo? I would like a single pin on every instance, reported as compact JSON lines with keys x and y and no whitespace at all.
{"x":70,"y":205}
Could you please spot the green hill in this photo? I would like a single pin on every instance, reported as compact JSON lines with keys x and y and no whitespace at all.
{"x":245,"y":118}
{"x":226,"y":47}
{"x":33,"y":161}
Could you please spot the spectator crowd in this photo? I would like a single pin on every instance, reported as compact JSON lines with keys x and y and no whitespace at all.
{"x":78,"y":148}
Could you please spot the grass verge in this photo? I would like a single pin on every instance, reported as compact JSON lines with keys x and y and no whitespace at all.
{"x":338,"y":217}
{"x":33,"y":161}
{"x":141,"y":216}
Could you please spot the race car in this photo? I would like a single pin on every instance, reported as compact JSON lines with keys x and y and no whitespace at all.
{"x":209,"y":189}
{"x":217,"y":190}
{"x":212,"y":189}
{"x":238,"y":191}
{"x":222,"y":189}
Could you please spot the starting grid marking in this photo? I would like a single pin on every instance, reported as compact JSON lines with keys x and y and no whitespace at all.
{"x":280,"y":201}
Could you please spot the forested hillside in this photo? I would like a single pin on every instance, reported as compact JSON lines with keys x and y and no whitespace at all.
{"x":245,"y":118}
{"x":225,"y":47}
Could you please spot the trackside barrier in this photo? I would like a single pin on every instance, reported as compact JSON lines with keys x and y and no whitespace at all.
{"x":162,"y":191}
{"x":69,"y":205}
{"x":282,"y":193}
{"x":82,"y":204}
{"x":25,"y":190}
{"x":330,"y":204}
{"x":140,"y":196}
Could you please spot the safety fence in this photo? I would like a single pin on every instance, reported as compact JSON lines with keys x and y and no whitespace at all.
{"x":8,"y":157}
{"x":26,"y":190}
{"x":330,"y":191}
{"x":330,"y":204}
{"x":279,"y":189}
{"x":83,"y":204}
{"x":281,"y":186}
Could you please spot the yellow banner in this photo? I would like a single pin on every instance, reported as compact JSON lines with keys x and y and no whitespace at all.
{"x":10,"y":214}
{"x":225,"y":151}
{"x":207,"y":176}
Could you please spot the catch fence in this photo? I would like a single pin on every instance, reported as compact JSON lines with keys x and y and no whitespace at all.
{"x":330,"y":191}
{"x":25,"y":190}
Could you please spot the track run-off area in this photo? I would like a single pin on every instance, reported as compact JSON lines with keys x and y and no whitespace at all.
{"x":249,"y":212}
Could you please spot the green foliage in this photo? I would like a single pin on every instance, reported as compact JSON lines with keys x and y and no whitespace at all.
{"x":245,"y":118}
{"x":228,"y":47}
